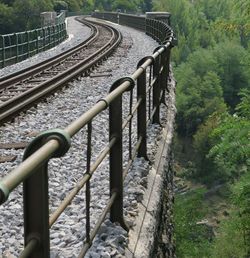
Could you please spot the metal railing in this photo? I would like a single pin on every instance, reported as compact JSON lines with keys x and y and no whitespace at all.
{"x":157,"y":29}
{"x":146,"y":89}
{"x":16,"y":47}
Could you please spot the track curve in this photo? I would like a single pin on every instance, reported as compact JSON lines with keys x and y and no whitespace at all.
{"x":23,"y":89}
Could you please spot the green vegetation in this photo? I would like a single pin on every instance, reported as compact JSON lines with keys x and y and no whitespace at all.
{"x":212,"y":68}
{"x":194,"y":238}
{"x":237,"y":226}
{"x":20,"y":15}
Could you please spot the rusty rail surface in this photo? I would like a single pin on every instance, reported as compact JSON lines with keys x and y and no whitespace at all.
{"x":149,"y":84}
{"x":73,"y":68}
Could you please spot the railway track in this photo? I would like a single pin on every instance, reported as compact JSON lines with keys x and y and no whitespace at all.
{"x":23,"y":89}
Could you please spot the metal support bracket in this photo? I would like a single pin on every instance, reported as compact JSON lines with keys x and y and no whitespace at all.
{"x":58,"y":134}
{"x":4,"y":193}
{"x":117,"y":83}
{"x":116,"y":154}
{"x":35,"y":194}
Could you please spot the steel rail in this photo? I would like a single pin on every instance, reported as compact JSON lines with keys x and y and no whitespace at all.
{"x":13,"y":106}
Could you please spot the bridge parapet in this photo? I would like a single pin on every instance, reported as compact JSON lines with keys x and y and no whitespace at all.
{"x":160,"y":16}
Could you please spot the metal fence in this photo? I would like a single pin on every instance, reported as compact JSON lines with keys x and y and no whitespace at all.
{"x":147,"y":89}
{"x":16,"y":47}
{"x":157,"y":29}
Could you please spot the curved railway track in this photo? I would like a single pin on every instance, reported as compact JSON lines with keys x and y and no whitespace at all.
{"x":23,"y":89}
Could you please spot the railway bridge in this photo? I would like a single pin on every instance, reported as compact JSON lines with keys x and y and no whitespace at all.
{"x":106,"y":176}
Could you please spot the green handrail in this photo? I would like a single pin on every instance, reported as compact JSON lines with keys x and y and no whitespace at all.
{"x":16,"y":47}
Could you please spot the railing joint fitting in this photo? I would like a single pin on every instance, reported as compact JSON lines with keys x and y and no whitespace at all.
{"x":118,"y":82}
{"x":58,"y":134}
{"x":143,"y":60}
{"x":34,"y":236}
{"x":4,"y":193}
{"x":105,"y":101}
{"x":159,"y":47}
{"x":173,"y":42}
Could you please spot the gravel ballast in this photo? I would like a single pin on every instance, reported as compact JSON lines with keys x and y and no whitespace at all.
{"x":68,"y":233}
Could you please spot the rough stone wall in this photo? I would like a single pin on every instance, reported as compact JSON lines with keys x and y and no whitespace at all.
{"x":164,"y":246}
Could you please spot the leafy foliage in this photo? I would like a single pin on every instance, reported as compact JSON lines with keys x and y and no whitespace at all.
{"x":192,"y":238}
{"x":199,"y":91}
{"x":242,"y":108}
{"x":20,"y":15}
{"x":231,"y":149}
{"x":233,"y":70}
{"x":124,"y":6}
{"x":237,"y":226}
{"x":5,"y":17}
{"x":60,"y":5}
{"x":206,"y":170}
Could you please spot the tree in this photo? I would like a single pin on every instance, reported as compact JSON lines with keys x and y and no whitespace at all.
{"x":199,"y":91}
{"x":233,"y":70}
{"x":74,"y":5}
{"x":243,"y":108}
{"x":237,"y":226}
{"x":27,"y":13}
{"x":231,"y":151}
{"x":206,"y":169}
{"x":213,"y":9}
{"x":146,"y":6}
{"x":125,"y":6}
{"x":6,"y":23}
{"x":88,"y":6}
{"x":192,"y":240}
{"x":60,"y":5}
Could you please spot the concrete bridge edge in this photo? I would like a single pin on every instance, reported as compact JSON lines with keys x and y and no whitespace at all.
{"x":144,"y":236}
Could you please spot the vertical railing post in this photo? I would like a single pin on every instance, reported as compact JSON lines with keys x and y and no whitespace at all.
{"x":156,"y":90}
{"x":64,"y":30}
{"x":44,"y":38}
{"x":116,"y":157}
{"x":142,"y":109}
{"x":59,"y":32}
{"x":165,"y":72}
{"x":54,"y":35}
{"x":16,"y":46}
{"x":3,"y":50}
{"x":35,"y":195}
{"x":158,"y":31}
{"x":37,"y":41}
{"x":49,"y":36}
{"x":28,"y":42}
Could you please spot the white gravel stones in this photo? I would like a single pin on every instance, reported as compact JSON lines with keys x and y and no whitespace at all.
{"x":68,"y":233}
